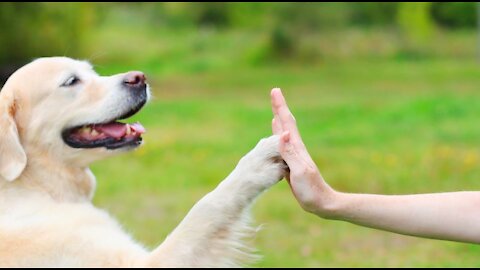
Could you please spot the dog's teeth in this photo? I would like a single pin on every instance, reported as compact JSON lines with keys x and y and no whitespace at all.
{"x":86,"y":129}
{"x":129,"y":129}
{"x":94,"y":133}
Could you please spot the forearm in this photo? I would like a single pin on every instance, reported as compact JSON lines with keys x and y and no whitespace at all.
{"x":449,"y":216}
{"x":214,"y":222}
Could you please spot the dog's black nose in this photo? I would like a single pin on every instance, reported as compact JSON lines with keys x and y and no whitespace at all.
{"x":135,"y":79}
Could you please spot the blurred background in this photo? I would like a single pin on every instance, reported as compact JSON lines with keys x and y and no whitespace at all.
{"x":386,"y":96}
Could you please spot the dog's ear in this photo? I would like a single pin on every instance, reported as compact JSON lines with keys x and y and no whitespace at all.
{"x":12,"y":155}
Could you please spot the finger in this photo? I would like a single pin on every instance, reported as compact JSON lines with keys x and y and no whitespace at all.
{"x":288,"y":151}
{"x":276,"y":127}
{"x":295,"y":144}
{"x":295,"y":155}
{"x":285,"y":117}
{"x":285,"y":136}
{"x":272,"y":94}
{"x":276,"y":124}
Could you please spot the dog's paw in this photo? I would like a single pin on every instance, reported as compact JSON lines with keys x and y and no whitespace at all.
{"x":264,"y":164}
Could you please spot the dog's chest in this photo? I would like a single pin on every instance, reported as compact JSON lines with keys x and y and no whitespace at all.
{"x":57,"y":235}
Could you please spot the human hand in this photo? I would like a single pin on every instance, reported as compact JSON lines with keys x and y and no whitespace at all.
{"x":306,"y":183}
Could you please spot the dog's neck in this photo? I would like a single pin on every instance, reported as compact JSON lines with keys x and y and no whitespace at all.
{"x":60,"y":181}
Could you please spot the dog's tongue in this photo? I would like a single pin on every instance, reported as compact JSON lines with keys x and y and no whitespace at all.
{"x":119,"y":130}
{"x":115,"y":130}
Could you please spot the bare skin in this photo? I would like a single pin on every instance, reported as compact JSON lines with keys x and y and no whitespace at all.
{"x":451,"y":216}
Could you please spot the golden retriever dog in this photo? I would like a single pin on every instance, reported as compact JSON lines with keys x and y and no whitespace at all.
{"x":57,"y":116}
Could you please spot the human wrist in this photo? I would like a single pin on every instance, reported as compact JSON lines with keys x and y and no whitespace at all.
{"x":328,"y":205}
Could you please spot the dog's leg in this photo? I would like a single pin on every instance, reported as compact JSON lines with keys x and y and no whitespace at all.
{"x":211,"y":233}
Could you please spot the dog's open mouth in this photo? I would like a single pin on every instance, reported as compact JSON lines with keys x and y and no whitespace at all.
{"x":112,"y":135}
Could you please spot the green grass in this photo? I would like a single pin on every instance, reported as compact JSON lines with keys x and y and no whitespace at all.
{"x":372,"y":127}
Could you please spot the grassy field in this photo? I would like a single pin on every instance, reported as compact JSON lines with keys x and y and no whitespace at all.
{"x":372,"y":127}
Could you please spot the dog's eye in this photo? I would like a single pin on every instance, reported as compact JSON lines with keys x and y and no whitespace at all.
{"x":71,"y":81}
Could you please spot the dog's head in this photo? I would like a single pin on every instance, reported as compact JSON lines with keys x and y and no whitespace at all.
{"x":59,"y":108}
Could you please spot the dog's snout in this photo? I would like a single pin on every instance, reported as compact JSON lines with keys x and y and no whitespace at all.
{"x":135,"y":79}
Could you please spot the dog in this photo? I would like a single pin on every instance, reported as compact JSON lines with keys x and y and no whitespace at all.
{"x":57,"y":116}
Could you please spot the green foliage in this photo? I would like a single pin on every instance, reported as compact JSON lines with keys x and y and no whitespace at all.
{"x":302,"y":33}
{"x":455,"y":15}
{"x":212,"y":14}
{"x":313,"y":16}
{"x":373,"y":13}
{"x":282,"y":42}
{"x":37,"y":29}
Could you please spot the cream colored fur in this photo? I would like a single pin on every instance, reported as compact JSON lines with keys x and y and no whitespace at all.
{"x":46,"y":215}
